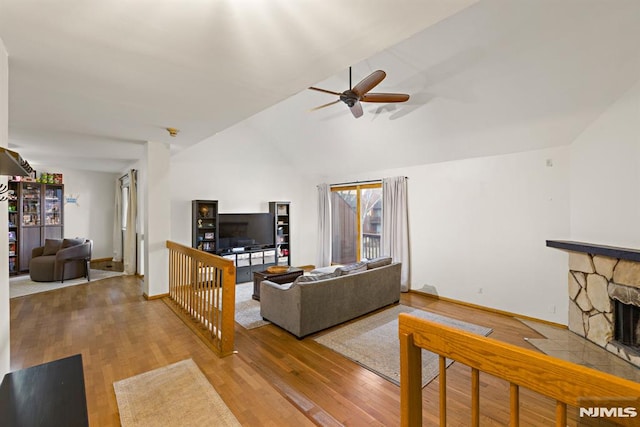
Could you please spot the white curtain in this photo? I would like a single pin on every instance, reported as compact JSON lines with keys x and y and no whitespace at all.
{"x":130,"y":243}
{"x":395,"y":225}
{"x":324,"y":225}
{"x":117,"y":223}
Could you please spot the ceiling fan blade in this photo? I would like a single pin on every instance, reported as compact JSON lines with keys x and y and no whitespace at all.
{"x":325,"y":105}
{"x":325,"y":91}
{"x":356,"y":110}
{"x":369,"y":82}
{"x":384,"y":97}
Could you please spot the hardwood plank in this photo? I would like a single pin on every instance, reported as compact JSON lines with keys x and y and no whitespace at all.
{"x":120,"y":334}
{"x":274,"y":379}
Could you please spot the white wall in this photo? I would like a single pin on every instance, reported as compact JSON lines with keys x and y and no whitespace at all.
{"x":477,"y":223}
{"x":157,"y":225}
{"x":482,"y":224}
{"x":605,"y":176}
{"x":5,"y":353}
{"x":244,"y":173}
{"x":92,"y":216}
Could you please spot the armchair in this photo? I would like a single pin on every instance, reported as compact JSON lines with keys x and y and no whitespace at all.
{"x":61,"y":259}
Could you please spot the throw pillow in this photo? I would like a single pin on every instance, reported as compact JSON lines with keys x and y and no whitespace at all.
{"x":378,"y":262}
{"x":353,"y":268}
{"x":51,"y":246}
{"x":67,"y":243}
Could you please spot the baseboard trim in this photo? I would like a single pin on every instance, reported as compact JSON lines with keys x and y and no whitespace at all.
{"x":149,"y":298}
{"x":489,"y":309}
{"x":101,"y":259}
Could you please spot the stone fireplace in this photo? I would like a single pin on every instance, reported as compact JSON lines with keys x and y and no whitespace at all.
{"x":604,"y":296}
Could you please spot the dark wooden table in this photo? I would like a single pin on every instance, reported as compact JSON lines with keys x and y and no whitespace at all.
{"x":280,"y":278}
{"x":51,"y":394}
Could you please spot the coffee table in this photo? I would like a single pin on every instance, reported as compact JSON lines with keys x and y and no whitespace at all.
{"x":279,"y":278}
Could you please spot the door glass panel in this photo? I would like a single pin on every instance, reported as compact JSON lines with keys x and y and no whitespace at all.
{"x":344,"y":226}
{"x":124,"y":203}
{"x":52,"y":205}
{"x":371,"y":219}
{"x":30,"y":204}
{"x":356,"y":223}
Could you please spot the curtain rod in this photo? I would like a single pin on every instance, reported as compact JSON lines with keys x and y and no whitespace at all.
{"x":359,"y":182}
{"x":126,"y":175}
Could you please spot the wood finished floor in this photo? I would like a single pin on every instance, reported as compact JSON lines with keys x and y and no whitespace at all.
{"x":273,"y":380}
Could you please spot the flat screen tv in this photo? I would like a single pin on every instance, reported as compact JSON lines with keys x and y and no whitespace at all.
{"x":249,"y":231}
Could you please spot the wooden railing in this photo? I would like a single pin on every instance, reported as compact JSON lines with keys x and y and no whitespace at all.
{"x":202,"y":286}
{"x":566,"y":383}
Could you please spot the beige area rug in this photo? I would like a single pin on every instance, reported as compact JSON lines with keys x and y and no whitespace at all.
{"x":373,"y":342}
{"x":22,"y":285}
{"x":248,"y":309}
{"x":175,"y":395}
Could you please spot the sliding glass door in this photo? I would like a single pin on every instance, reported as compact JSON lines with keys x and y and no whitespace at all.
{"x":356,"y":222}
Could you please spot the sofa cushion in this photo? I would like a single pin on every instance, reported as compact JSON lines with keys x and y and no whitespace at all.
{"x":353,"y":268}
{"x":67,"y":243}
{"x":316,"y":277}
{"x":378,"y":262}
{"x":51,"y":246}
{"x":325,"y":270}
{"x":42,"y":268}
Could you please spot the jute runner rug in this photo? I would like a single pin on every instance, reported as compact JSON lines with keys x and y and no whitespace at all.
{"x":373,"y":342}
{"x":175,"y":395}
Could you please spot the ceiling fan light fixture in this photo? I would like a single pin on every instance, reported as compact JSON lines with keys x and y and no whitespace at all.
{"x":360,"y":93}
{"x":173,"y":132}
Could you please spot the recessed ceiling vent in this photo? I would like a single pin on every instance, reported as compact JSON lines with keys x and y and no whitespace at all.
{"x":12,"y":164}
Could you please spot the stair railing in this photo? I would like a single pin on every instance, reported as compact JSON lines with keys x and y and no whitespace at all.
{"x":569,"y":384}
{"x":202,"y":291}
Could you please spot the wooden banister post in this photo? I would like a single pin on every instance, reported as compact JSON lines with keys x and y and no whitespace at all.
{"x":410,"y":380}
{"x":228,"y":310}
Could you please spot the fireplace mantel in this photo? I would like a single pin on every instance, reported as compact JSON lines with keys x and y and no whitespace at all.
{"x":590,"y":248}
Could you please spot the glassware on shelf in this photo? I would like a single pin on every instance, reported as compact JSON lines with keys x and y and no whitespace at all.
{"x":52,"y":206}
{"x":30,"y":205}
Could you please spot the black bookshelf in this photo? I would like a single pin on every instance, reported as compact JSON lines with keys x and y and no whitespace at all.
{"x":204,"y":225}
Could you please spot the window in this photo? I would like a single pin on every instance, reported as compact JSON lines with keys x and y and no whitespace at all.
{"x":124,"y":209}
{"x":356,"y":222}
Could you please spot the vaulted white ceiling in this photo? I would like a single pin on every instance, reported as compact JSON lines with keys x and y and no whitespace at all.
{"x":96,"y":81}
{"x":499,"y":77}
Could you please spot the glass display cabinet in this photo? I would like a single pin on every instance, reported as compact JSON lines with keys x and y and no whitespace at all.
{"x":35,"y":214}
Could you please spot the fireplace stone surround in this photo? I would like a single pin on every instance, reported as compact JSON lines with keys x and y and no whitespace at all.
{"x":599,"y":279}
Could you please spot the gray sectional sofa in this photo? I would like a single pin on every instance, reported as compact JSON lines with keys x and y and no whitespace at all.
{"x":316,"y":302}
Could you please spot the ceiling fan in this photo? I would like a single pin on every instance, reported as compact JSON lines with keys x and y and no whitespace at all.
{"x":360,"y":93}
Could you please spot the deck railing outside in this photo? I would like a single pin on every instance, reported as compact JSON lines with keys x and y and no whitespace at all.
{"x":370,"y":245}
{"x":597,"y":395}
{"x":202,"y":286}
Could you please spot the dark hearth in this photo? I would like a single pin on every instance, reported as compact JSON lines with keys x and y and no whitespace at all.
{"x":627,"y":324}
